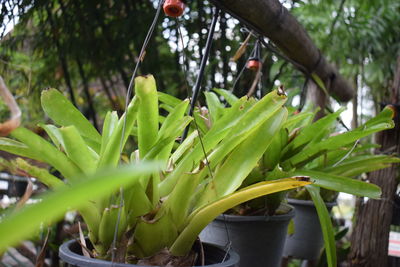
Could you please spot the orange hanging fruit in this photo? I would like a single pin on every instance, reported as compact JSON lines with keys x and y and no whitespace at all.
{"x":174,"y":8}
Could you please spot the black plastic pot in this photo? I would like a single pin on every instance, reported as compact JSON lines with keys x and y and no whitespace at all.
{"x":70,"y":253}
{"x":307,"y":241}
{"x":259,"y":240}
{"x":16,"y":185}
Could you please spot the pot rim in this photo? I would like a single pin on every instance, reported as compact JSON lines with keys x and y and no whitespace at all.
{"x":265,"y":218}
{"x":294,"y":201}
{"x":66,"y":254}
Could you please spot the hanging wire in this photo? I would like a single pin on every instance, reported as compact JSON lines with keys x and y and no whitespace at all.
{"x":242,"y":71}
{"x":303,"y":95}
{"x":128,"y":97}
{"x":196,"y":88}
{"x":188,"y":93}
{"x":229,"y":243}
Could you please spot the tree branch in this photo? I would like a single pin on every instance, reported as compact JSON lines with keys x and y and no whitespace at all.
{"x":269,"y":18}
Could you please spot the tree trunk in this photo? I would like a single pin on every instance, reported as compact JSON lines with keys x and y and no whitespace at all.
{"x":269,"y":18}
{"x":89,"y":99}
{"x":370,"y":236}
{"x":61,"y":55}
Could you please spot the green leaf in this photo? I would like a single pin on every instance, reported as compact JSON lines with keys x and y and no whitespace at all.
{"x":41,"y":174}
{"x":77,"y":150}
{"x":334,"y":142}
{"x":341,"y":184}
{"x":215,"y":107}
{"x":18,"y":148}
{"x":326,"y":225}
{"x":168,"y":99}
{"x":111,"y":154}
{"x":179,"y":201}
{"x":228,"y":96}
{"x":109,"y":125}
{"x":168,"y":129}
{"x":54,"y":205}
{"x":361,"y":164}
{"x":243,"y":159}
{"x":62,"y":112}
{"x":161,"y":149}
{"x":310,"y":133}
{"x":184,"y":147}
{"x":203,"y":216}
{"x":48,"y":153}
{"x":241,"y":120}
{"x":147,"y":120}
{"x":54,"y":134}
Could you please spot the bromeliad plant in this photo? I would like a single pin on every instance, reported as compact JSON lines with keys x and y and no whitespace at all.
{"x":307,"y":148}
{"x":157,"y":209}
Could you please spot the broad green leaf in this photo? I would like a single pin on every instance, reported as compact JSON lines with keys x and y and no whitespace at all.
{"x":243,"y":118}
{"x":243,"y":159}
{"x":326,"y":225}
{"x":298,"y":120}
{"x":361,"y":164}
{"x":77,"y":150}
{"x":179,"y":201}
{"x":147,"y":118}
{"x":41,"y":174}
{"x":48,"y":153}
{"x":228,"y":96}
{"x":184,"y":147}
{"x":169,"y":126}
{"x":385,"y":116}
{"x":63,"y":113}
{"x":170,"y":135}
{"x":213,"y":137}
{"x":168,"y":99}
{"x":203,"y":216}
{"x":109,"y":125}
{"x":108,"y":223}
{"x":215,"y":107}
{"x":111,"y":153}
{"x":272,"y":155}
{"x":310,"y":133}
{"x":341,"y":183}
{"x":255,"y":116}
{"x":54,"y":134}
{"x":152,"y":236}
{"x":334,"y":142}
{"x":18,"y":148}
{"x":54,"y":204}
{"x":136,"y":201}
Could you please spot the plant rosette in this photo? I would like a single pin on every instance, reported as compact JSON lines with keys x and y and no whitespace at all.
{"x":158,"y":196}
{"x":304,"y":147}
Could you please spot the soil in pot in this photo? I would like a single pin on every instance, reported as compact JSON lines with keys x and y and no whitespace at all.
{"x":259,"y":240}
{"x":307,"y":241}
{"x":214,"y":256}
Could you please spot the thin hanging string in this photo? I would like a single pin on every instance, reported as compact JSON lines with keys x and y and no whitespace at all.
{"x":229,"y":243}
{"x":127,"y":100}
{"x":196,"y":88}
{"x":184,"y":58}
{"x":242,"y":71}
{"x":303,"y":95}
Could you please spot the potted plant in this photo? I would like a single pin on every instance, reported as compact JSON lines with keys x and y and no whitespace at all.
{"x":300,"y":147}
{"x":348,"y":160}
{"x":137,"y":213}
